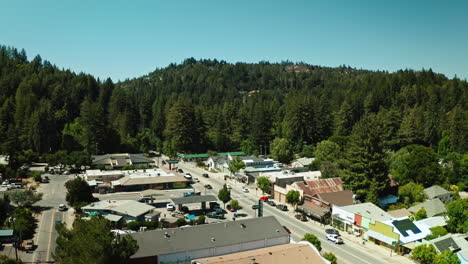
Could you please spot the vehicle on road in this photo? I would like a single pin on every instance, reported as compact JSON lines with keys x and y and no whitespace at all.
{"x":62,"y":207}
{"x":196,"y":180}
{"x":264,"y":198}
{"x":282,"y":207}
{"x":332,"y":231}
{"x":205,"y":175}
{"x":180,"y":171}
{"x":208,"y":186}
{"x":188,"y":176}
{"x":271,"y":203}
{"x":28,"y":245}
{"x":45,"y":180}
{"x":245,"y":189}
{"x":335,"y":238}
{"x":255,"y":206}
{"x":239,"y":215}
{"x":287,"y":229}
{"x":170,"y":207}
{"x":301,"y":217}
{"x":188,"y":194}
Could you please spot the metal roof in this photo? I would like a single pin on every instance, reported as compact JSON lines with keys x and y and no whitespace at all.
{"x":194,"y":156}
{"x":321,"y":186}
{"x":236,"y":153}
{"x":174,"y":240}
{"x":6,"y":232}
{"x":194,"y":199}
{"x":122,"y":207}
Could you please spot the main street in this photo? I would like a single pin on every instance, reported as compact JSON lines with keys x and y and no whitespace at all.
{"x":54,"y":195}
{"x":350,"y":252}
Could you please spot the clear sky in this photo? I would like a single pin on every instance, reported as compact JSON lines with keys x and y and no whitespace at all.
{"x":126,"y":39}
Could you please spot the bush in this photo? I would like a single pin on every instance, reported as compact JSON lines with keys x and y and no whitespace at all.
{"x":135,"y":226}
{"x":235,"y":204}
{"x":201,"y":219}
{"x":181,"y":222}
{"x":436,"y":231}
{"x":330,"y":257}
{"x":311,"y":238}
{"x":36,"y":176}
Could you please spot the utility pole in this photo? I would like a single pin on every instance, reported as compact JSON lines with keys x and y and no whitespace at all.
{"x":12,"y":220}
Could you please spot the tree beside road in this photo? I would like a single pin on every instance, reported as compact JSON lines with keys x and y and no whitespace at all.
{"x":78,"y":192}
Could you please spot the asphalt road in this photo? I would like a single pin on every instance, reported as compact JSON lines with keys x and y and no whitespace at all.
{"x":54,"y":195}
{"x":350,"y":252}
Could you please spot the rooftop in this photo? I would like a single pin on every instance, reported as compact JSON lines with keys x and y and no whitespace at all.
{"x":321,"y":186}
{"x":194,"y":199}
{"x":340,"y":198}
{"x":435,"y":191}
{"x":124,"y":207}
{"x":173,"y":240}
{"x":433,"y":207}
{"x":301,"y":253}
{"x":120,"y":159}
{"x":368,"y":210}
{"x":434,"y":221}
{"x":399,"y":213}
{"x":151,"y":176}
{"x":6,"y":232}
{"x":409,"y":231}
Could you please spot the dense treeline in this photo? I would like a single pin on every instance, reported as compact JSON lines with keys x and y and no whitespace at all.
{"x":213,"y":105}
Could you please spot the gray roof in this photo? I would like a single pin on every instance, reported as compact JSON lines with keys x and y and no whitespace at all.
{"x":194,"y":199}
{"x":130,"y":180}
{"x":435,"y":191}
{"x":155,"y":242}
{"x":433,"y":207}
{"x":6,"y":232}
{"x":368,"y":210}
{"x":123,"y":207}
{"x":122,"y":159}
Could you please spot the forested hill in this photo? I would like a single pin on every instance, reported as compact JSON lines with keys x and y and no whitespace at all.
{"x":213,"y":105}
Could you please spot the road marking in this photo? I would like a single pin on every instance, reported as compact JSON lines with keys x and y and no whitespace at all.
{"x":52,"y":222}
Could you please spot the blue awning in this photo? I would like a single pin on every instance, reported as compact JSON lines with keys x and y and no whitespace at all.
{"x":191,"y":217}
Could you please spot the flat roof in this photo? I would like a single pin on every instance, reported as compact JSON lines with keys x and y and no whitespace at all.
{"x":129,"y":180}
{"x":194,"y":199}
{"x":124,"y":207}
{"x":173,"y":240}
{"x":6,"y":232}
{"x":368,"y":210}
{"x":301,"y":253}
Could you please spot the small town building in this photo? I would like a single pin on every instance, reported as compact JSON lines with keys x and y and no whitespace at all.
{"x":457,"y":243}
{"x":437,"y":192}
{"x":433,"y":207}
{"x":400,"y":213}
{"x":218,"y":163}
{"x":184,"y":244}
{"x":302,"y":162}
{"x":139,"y":180}
{"x":357,"y":218}
{"x":434,"y":221}
{"x":120,"y":160}
{"x":300,"y":253}
{"x":120,"y":210}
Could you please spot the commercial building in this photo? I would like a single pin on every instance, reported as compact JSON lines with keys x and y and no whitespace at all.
{"x":120,"y":160}
{"x":120,"y":211}
{"x":357,"y":218}
{"x":300,"y":253}
{"x":182,"y":245}
{"x":157,"y":179}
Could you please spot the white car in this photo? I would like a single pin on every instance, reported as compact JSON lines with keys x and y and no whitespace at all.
{"x":188,"y":176}
{"x":170,"y":207}
{"x":196,"y":180}
{"x":62,"y":207}
{"x":335,"y":238}
{"x":245,"y":189}
{"x":228,"y":186}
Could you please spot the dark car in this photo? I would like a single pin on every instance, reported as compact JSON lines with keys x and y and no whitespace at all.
{"x":282,"y":207}
{"x":255,"y":206}
{"x":205,"y":175}
{"x":215,"y":215}
{"x":184,"y":209}
{"x":180,"y":171}
{"x":300,"y":217}
{"x":271,"y":203}
{"x":208,"y":186}
{"x":332,"y":231}
{"x":287,"y":229}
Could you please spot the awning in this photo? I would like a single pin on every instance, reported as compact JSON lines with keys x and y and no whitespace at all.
{"x":381,"y":237}
{"x":313,"y":210}
{"x":191,"y":217}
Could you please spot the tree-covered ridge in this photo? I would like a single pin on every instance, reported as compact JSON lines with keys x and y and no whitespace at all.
{"x":205,"y":105}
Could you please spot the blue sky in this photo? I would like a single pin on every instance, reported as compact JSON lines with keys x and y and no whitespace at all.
{"x":126,"y":39}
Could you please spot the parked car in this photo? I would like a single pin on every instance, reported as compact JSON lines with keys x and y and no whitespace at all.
{"x":332,"y":231}
{"x":196,"y":180}
{"x":188,"y":176}
{"x":228,"y":186}
{"x":184,"y":209}
{"x":215,"y":215}
{"x":205,"y":175}
{"x":230,"y":208}
{"x":245,"y":189}
{"x":300,"y":217}
{"x":255,"y":206}
{"x":187,"y":194}
{"x":170,"y":207}
{"x":239,"y":215}
{"x":28,"y":245}
{"x":287,"y":229}
{"x":282,"y":207}
{"x":335,"y":238}
{"x":271,"y":203}
{"x":62,"y":207}
{"x":208,"y":186}
{"x":180,"y":171}
{"x":45,"y":180}
{"x":264,"y":198}
{"x":218,"y":210}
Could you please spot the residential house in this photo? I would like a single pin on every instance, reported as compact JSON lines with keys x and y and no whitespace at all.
{"x":120,"y":211}
{"x":357,"y":218}
{"x":220,"y":163}
{"x":457,"y":243}
{"x":182,"y":245}
{"x":300,"y":253}
{"x":397,"y":234}
{"x":302,"y":162}
{"x":400,"y":213}
{"x":434,"y":221}
{"x":437,"y":192}
{"x":433,"y":207}
{"x":120,"y":160}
